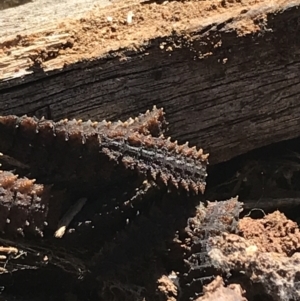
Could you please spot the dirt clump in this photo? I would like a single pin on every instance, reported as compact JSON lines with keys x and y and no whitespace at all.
{"x":277,"y":273}
{"x":273,"y":233}
{"x":168,"y":288}
{"x":216,"y":291}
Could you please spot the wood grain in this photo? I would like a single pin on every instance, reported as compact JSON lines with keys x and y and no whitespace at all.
{"x":242,"y":96}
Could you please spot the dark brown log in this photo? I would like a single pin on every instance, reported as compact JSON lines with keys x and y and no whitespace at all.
{"x":243,"y":95}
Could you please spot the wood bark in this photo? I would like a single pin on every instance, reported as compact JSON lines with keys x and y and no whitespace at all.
{"x":242,"y":96}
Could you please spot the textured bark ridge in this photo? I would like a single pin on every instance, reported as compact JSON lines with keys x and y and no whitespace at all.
{"x":209,"y":221}
{"x":74,"y":150}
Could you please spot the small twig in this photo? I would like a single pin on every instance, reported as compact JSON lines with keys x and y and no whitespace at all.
{"x":68,"y":217}
{"x":269,"y":203}
{"x":255,"y":209}
{"x":8,"y":250}
{"x":42,"y":255}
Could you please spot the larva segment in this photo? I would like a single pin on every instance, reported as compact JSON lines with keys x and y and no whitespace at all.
{"x":143,"y":237}
{"x":211,"y":220}
{"x":164,"y":159}
{"x":23,"y":205}
{"x":89,"y":151}
{"x":151,"y":123}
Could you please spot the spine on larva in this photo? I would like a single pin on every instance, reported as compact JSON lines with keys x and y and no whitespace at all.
{"x":150,"y":123}
{"x":73,"y":148}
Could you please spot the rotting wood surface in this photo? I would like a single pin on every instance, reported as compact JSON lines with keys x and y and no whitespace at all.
{"x":224,"y":92}
{"x":31,"y":13}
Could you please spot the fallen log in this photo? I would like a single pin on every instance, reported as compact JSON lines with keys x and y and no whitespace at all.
{"x":226,"y":73}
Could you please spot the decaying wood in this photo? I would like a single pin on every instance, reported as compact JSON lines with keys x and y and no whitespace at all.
{"x":241,"y":94}
{"x":30,"y":14}
{"x":68,"y":217}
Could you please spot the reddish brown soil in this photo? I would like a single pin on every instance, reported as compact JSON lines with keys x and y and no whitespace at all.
{"x":267,"y":252}
{"x":273,"y":233}
{"x":129,"y":25}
